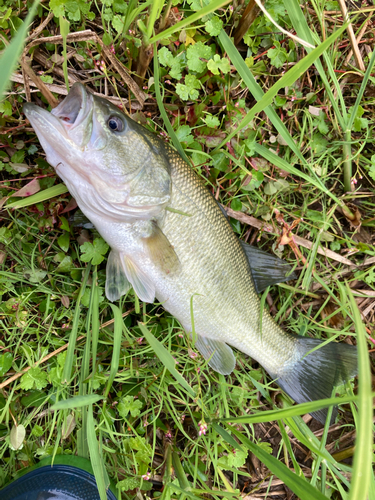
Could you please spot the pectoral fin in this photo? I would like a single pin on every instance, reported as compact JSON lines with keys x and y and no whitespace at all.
{"x":266,"y":269}
{"x":116,"y":283}
{"x":161,"y":251}
{"x":220,"y":355}
{"x":142,"y":285}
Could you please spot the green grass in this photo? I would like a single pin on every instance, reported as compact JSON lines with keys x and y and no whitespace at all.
{"x":121,"y":384}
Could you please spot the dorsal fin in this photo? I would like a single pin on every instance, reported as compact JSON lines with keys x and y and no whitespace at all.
{"x":266,"y":269}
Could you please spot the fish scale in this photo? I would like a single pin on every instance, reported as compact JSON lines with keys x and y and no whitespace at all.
{"x":228,"y":306}
{"x":170,"y":241}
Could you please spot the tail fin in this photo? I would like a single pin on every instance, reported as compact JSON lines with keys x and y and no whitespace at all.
{"x":314,"y":376}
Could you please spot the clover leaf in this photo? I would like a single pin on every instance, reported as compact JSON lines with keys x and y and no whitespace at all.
{"x":95,"y":251}
{"x":217,"y":64}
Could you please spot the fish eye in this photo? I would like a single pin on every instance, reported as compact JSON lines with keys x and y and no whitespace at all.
{"x":115,"y":124}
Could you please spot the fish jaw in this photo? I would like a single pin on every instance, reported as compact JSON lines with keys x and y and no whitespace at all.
{"x":101,"y":165}
{"x":51,"y":134}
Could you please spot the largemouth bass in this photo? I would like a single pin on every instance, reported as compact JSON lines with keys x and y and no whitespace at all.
{"x":171,"y":242}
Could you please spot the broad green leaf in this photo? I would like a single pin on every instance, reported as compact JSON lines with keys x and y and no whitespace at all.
{"x":196,"y":54}
{"x":94,"y":252}
{"x":63,"y":241}
{"x":217,"y":64}
{"x":65,"y":263}
{"x":214,"y":25}
{"x":6,"y":361}
{"x":129,"y":404}
{"x":189,"y":89}
{"x":165,"y":57}
{"x":6,"y":108}
{"x":17,"y":435}
{"x":35,"y":377}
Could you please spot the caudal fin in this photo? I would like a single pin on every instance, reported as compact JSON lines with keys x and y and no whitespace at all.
{"x":313,"y":376}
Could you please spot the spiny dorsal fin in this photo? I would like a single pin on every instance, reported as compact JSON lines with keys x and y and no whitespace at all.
{"x":142,"y":285}
{"x":116,"y":283}
{"x":266,"y":269}
{"x":221,"y":356}
{"x":161,"y":251}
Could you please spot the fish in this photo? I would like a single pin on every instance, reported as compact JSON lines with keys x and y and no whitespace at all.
{"x":171,"y":242}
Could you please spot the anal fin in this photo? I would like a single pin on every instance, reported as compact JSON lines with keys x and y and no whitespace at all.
{"x":266,"y":269}
{"x":116,"y":283}
{"x":220,"y":355}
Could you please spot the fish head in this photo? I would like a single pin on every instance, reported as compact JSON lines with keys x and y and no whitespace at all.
{"x":110,"y":163}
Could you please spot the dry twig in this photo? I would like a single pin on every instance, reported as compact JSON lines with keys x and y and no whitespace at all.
{"x":359,"y":38}
{"x":78,"y":36}
{"x":252,"y":221}
{"x":351,"y":36}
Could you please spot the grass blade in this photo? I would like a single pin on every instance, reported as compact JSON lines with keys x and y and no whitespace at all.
{"x":257,"y":91}
{"x":362,"y":470}
{"x":165,"y":357}
{"x":284,"y":165}
{"x":76,"y":402}
{"x":159,"y":100}
{"x":293,"y":411}
{"x":361,"y":92}
{"x":96,"y":458}
{"x":95,"y":319}
{"x":156,"y":8}
{"x":39,"y":197}
{"x":288,"y":79}
{"x":226,"y":436}
{"x":73,"y":334}
{"x":64,"y":30}
{"x":299,"y":22}
{"x":117,"y":335}
{"x":297,"y":484}
{"x":216,"y":4}
{"x":11,"y":54}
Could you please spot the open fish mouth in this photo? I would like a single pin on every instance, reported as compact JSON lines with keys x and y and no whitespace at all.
{"x":73,"y":111}
{"x":70,"y":121}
